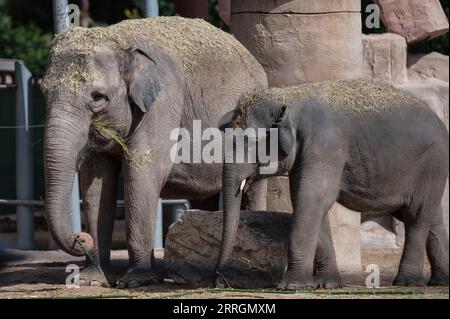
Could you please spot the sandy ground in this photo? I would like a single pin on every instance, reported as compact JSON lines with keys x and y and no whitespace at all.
{"x":30,"y":275}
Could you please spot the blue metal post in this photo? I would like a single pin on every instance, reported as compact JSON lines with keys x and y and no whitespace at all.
{"x":60,"y":25}
{"x":158,"y":239}
{"x":151,"y":8}
{"x":24,"y":157}
{"x":59,"y":15}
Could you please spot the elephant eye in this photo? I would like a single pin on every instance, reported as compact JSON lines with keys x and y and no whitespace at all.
{"x":99,"y":100}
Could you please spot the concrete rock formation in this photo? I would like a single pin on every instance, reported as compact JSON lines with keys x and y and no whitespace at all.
{"x":432,"y":65}
{"x":301,"y":41}
{"x":259,"y":256}
{"x":416,"y":20}
{"x":385,"y":58}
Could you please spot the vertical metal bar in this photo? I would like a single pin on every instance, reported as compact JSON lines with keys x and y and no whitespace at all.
{"x":158,"y":239}
{"x":59,"y":15}
{"x":60,"y":25}
{"x":75,"y":205}
{"x":221,"y":201}
{"x":151,"y":9}
{"x":24,"y":157}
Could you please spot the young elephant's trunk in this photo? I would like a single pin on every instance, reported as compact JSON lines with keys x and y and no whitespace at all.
{"x":232,"y":195}
{"x":65,"y":136}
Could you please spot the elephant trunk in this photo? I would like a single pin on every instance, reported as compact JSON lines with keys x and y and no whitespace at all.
{"x":232,"y":196}
{"x":65,"y":136}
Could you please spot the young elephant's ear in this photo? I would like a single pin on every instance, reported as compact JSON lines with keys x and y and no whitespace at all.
{"x":282,"y":121}
{"x":144,"y":85}
{"x":225,"y":121}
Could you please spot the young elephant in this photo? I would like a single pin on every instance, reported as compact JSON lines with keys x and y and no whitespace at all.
{"x":368,"y":147}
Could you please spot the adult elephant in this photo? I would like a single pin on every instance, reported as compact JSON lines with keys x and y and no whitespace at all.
{"x":114,"y":96}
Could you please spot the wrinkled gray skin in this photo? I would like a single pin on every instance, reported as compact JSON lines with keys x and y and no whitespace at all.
{"x":146,"y":90}
{"x":396,"y":164}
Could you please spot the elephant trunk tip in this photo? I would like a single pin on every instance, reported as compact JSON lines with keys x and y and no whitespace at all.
{"x":79,"y":244}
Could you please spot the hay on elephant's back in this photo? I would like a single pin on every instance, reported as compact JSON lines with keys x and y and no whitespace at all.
{"x":347,"y":96}
{"x":190,"y":41}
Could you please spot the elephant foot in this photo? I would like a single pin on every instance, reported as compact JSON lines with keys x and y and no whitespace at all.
{"x":438,"y":279}
{"x":409,"y":280}
{"x":91,"y":276}
{"x":330,"y":281}
{"x":139,"y":277}
{"x":293,"y":281}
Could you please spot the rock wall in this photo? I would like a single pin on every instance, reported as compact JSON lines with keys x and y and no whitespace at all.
{"x":384,"y":58}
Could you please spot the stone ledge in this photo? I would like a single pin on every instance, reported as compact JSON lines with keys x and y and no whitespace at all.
{"x":296,"y":6}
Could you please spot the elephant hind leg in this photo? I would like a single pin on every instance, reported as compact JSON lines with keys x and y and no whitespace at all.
{"x":417,"y":227}
{"x":437,"y":251}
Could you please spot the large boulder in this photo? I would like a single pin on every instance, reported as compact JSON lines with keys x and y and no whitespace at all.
{"x":259,"y":257}
{"x":416,"y":20}
{"x":384,"y":58}
{"x":432,"y":65}
{"x":301,"y":41}
{"x":278,"y":194}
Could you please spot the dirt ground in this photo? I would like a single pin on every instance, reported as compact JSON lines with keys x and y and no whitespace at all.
{"x":31,"y":276}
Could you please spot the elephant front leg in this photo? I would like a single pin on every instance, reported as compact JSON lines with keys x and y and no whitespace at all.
{"x":98,"y":181}
{"x":325,"y":259}
{"x":141,"y":197}
{"x":314,"y":189}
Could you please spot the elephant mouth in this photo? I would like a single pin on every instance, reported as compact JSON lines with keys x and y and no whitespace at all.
{"x":102,"y":136}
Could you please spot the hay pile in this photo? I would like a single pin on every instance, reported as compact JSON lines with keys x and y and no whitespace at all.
{"x":349,"y":96}
{"x":191,"y":41}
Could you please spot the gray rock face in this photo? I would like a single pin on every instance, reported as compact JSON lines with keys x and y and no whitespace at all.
{"x":258,"y":260}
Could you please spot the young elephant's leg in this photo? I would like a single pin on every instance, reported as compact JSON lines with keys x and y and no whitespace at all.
{"x":325,"y":259}
{"x":314,"y":189}
{"x":417,"y":227}
{"x":141,"y":197}
{"x":437,"y":251}
{"x":98,"y":182}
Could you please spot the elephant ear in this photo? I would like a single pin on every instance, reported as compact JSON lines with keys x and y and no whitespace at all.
{"x":282,"y":121}
{"x":225,"y":121}
{"x":144,"y":85}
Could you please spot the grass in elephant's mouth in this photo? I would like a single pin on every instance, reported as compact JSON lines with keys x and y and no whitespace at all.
{"x":108,"y":129}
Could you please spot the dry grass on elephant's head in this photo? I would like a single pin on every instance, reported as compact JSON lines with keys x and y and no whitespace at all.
{"x":346,"y":96}
{"x":189,"y":41}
